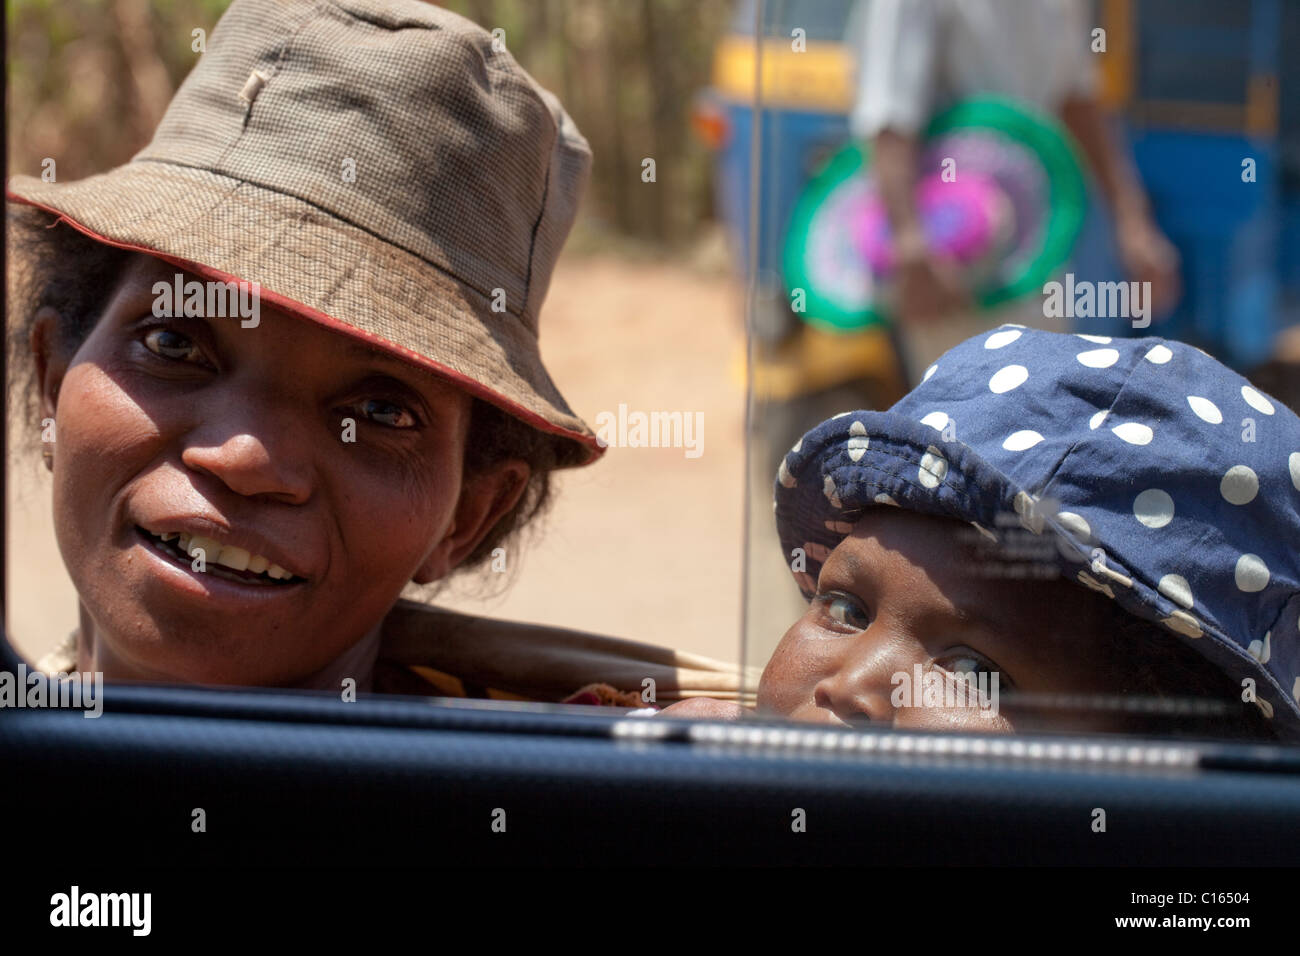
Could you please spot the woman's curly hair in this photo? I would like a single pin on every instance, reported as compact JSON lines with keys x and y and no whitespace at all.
{"x":52,"y":264}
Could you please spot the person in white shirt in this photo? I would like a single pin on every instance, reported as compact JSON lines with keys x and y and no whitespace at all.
{"x":917,"y":57}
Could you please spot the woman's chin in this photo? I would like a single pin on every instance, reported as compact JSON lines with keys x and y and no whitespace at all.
{"x":185,"y":654}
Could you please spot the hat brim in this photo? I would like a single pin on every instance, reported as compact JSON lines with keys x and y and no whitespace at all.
{"x":881,"y":459}
{"x":885,"y":459}
{"x":313,"y":265}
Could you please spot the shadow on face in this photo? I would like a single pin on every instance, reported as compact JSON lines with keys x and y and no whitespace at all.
{"x":909,"y":629}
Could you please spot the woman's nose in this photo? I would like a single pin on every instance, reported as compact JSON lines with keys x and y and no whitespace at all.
{"x":859,"y":687}
{"x":255,"y":454}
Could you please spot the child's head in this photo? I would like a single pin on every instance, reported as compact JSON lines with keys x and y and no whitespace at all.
{"x":1105,"y":534}
{"x":379,"y":416}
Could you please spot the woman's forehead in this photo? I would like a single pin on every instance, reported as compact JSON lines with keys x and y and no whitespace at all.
{"x":144,"y":268}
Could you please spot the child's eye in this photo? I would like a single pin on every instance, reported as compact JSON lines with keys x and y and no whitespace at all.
{"x":171,"y":344}
{"x":386,"y":413}
{"x":967,"y":662}
{"x":844,"y":610}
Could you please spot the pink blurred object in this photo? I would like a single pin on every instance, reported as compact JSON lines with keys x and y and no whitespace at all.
{"x":966,"y":222}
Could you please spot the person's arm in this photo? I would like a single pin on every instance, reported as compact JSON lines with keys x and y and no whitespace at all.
{"x":896,"y":46}
{"x":927,"y":288}
{"x":895,"y":164}
{"x":1119,"y":183}
{"x":1144,"y":251}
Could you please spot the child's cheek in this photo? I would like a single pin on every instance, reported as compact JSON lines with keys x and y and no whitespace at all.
{"x":971,"y":720}
{"x":790,"y":676}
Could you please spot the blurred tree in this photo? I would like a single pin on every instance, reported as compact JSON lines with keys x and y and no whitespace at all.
{"x":627,"y":71}
{"x":88,"y":81}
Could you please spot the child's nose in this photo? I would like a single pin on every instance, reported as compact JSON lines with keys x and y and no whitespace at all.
{"x":859,"y":687}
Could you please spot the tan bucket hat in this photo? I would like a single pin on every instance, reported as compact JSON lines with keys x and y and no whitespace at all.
{"x":378,"y":166}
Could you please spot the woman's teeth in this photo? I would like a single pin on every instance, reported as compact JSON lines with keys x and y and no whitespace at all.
{"x":227,"y":556}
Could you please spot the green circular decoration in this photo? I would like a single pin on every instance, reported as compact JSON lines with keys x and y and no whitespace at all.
{"x":1040,"y":135}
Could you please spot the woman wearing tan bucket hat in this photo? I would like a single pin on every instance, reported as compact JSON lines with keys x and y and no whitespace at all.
{"x":287,"y":362}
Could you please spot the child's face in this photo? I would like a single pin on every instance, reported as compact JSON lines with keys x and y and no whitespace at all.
{"x":169,"y":425}
{"x":904,"y":589}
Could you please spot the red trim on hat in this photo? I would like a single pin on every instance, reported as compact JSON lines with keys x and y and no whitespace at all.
{"x":472,"y":386}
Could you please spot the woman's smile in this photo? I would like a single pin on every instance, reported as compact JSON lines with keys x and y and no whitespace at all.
{"x":218,"y":587}
{"x":248,"y":555}
{"x":229,"y":561}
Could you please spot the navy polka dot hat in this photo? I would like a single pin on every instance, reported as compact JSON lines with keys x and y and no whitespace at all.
{"x":1145,"y":469}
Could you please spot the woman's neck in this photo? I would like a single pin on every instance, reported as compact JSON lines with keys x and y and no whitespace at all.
{"x":357,"y":662}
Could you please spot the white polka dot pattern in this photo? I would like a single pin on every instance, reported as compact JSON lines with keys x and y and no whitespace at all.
{"x":1205,"y":409}
{"x":1165,"y":482}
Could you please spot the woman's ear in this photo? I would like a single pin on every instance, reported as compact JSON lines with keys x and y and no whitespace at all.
{"x":50,"y":359}
{"x":484,"y":500}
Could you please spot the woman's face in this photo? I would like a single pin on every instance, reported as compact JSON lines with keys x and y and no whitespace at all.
{"x":239,"y":435}
{"x":907,"y":594}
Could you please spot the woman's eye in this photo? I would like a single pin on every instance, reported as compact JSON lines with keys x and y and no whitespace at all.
{"x":845,"y":611}
{"x":171,"y":344}
{"x":386,"y":413}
